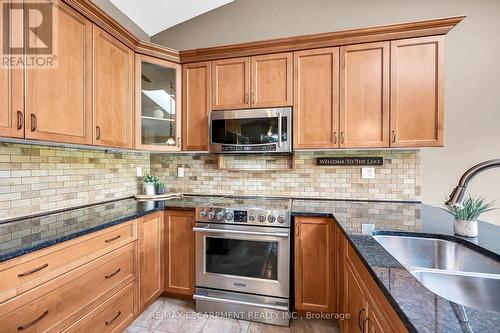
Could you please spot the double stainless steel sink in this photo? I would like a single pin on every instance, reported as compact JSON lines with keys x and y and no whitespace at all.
{"x":448,"y":269}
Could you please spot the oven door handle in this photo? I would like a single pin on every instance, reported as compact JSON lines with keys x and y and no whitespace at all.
{"x":242,"y":232}
{"x":225,"y":300}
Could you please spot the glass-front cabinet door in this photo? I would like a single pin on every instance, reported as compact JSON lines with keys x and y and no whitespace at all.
{"x":158,"y":104}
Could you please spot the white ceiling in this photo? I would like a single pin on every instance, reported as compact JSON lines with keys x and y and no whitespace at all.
{"x":154,"y":16}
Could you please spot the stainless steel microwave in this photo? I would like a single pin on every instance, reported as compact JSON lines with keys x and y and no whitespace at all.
{"x":251,"y":131}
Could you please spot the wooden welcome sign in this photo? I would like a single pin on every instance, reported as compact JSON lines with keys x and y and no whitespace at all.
{"x":349,"y":161}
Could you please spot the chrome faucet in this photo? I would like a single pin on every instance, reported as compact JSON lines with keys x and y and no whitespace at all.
{"x":457,"y":196}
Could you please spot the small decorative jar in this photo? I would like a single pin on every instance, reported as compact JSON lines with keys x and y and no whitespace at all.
{"x":149,"y":188}
{"x":466,"y":228}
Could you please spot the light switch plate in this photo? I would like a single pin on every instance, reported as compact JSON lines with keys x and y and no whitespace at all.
{"x":367,"y":228}
{"x":139,"y":172}
{"x":368,"y":173}
{"x":180,"y":172}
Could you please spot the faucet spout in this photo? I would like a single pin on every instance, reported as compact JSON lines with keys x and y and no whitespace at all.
{"x":457,"y":196}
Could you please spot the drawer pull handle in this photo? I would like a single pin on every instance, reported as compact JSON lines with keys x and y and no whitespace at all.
{"x":109,"y":322}
{"x":363,"y":324}
{"x":31,"y":323}
{"x":112,"y":274}
{"x":112,"y":239}
{"x":34,"y":270}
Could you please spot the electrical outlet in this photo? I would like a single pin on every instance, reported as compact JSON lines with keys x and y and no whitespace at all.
{"x":139,"y":172}
{"x":180,"y":172}
{"x":367,"y":173}
{"x":367,"y":228}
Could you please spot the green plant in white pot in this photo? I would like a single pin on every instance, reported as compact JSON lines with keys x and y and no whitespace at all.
{"x":466,"y":216}
{"x":150,"y":184}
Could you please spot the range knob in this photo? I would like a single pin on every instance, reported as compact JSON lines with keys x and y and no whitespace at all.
{"x":202,"y":213}
{"x":211,"y":215}
{"x":262,"y":217}
{"x":219,"y":215}
{"x":228,"y":216}
{"x":281,"y":219}
{"x":271,"y":218}
{"x":251,"y":218}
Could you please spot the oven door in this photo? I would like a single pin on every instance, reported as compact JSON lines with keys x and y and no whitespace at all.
{"x":244,"y":259}
{"x":251,"y":131}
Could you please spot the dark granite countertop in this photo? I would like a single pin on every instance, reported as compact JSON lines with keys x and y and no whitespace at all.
{"x":420,"y":309}
{"x":23,"y":236}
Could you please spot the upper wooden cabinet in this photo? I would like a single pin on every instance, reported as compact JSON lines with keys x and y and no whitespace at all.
{"x":314,"y":264}
{"x":316,"y":89}
{"x":364,"y":95}
{"x":58,"y":100}
{"x":158,"y":111}
{"x":230,"y":84}
{"x":150,"y":259}
{"x":257,"y":82}
{"x":417,"y":92}
{"x":11,"y":85}
{"x":271,"y":80}
{"x":179,"y":252}
{"x":112,"y":91}
{"x":195,"y":106}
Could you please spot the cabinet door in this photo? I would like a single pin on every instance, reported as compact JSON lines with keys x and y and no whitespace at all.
{"x":150,"y":259}
{"x":58,"y":100}
{"x":356,"y":301}
{"x":271,"y":80}
{"x":376,"y":322}
{"x":316,"y":108}
{"x":11,"y":83}
{"x":314,"y":264}
{"x":179,"y":243}
{"x":158,"y":111}
{"x":417,"y":92}
{"x":112,"y":91}
{"x":364,"y":95}
{"x":230,"y":84}
{"x":195,"y":105}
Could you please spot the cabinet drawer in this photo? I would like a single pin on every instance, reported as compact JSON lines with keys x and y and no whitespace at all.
{"x":114,"y":315}
{"x":59,"y":303}
{"x":26,"y":272}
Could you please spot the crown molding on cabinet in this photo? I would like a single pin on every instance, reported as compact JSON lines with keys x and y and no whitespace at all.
{"x":110,"y":25}
{"x":424,"y":28}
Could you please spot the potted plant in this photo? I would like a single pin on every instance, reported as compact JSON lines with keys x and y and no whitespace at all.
{"x":467,"y":215}
{"x":150,"y":184}
{"x":160,"y":188}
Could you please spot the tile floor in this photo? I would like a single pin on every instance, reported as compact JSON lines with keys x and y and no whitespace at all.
{"x":178,"y":316}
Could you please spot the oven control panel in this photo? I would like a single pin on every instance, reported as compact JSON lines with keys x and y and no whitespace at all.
{"x":278,"y":218}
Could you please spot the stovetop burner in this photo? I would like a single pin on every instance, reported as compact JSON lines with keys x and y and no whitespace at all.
{"x":259,"y":211}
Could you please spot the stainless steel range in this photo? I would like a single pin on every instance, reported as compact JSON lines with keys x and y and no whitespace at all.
{"x":243,"y":258}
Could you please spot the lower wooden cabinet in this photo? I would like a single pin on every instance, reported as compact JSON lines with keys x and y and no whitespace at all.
{"x":150,"y":259}
{"x":179,"y":251}
{"x":315,"y":278}
{"x":57,"y":304}
{"x":369,"y":310}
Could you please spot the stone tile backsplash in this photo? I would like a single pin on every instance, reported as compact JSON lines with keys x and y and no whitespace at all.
{"x":37,"y":179}
{"x":397,"y":179}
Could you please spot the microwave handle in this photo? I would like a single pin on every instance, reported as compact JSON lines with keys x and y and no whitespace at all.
{"x":279,"y":129}
{"x":241,"y":232}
